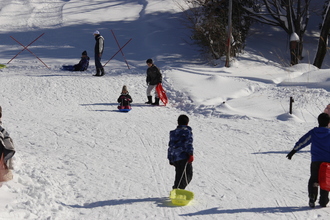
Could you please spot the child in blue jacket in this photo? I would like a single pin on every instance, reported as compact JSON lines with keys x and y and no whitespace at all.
{"x":180,"y":152}
{"x":319,"y":138}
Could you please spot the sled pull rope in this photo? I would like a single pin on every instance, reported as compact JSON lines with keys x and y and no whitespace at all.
{"x":184,"y":172}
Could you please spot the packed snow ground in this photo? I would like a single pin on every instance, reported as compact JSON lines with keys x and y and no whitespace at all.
{"x":79,"y":158}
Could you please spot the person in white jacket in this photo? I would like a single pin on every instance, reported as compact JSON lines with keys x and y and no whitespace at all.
{"x":98,"y":51}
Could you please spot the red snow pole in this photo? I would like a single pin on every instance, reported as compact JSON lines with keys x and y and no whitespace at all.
{"x":122,"y":53}
{"x":120,"y":50}
{"x":26,"y":48}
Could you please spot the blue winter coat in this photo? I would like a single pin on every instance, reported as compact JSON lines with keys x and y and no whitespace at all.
{"x":82,"y":65}
{"x":319,"y":137}
{"x":180,"y":145}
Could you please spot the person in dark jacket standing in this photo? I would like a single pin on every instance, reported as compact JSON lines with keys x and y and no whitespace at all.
{"x":319,"y":138}
{"x":180,"y":152}
{"x":98,"y":51}
{"x":154,"y":77}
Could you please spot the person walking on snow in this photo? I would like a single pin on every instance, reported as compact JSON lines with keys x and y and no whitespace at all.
{"x":154,"y":77}
{"x":180,"y":152}
{"x":98,"y":51}
{"x":319,"y":138}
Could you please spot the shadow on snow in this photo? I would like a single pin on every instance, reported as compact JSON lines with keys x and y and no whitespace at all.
{"x":215,"y":211}
{"x":161,"y":202}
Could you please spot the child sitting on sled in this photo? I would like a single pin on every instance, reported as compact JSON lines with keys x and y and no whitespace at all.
{"x":124,"y":99}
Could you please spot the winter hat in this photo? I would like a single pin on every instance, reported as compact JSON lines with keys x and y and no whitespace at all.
{"x":84,"y":53}
{"x":149,"y":61}
{"x":96,"y":32}
{"x":124,"y":90}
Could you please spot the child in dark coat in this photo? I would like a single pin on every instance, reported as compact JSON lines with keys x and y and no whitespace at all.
{"x":83,"y":63}
{"x":124,"y":99}
{"x":81,"y":66}
{"x":319,"y":138}
{"x":180,"y":152}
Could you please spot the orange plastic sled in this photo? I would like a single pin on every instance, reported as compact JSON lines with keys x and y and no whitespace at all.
{"x":161,"y":93}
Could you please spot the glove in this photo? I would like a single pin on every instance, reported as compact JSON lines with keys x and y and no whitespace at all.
{"x":190,"y":158}
{"x":289,"y":156}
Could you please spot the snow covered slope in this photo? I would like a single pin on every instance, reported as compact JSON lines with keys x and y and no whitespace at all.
{"x":79,"y":158}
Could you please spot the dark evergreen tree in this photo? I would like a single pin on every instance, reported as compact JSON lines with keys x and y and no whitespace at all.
{"x":209,"y":20}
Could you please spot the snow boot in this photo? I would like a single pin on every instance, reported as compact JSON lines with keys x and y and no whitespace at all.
{"x":97,"y":72}
{"x":156,"y":101}
{"x":311,"y":203}
{"x":102,"y":72}
{"x":323,"y":201}
{"x":149,"y":100}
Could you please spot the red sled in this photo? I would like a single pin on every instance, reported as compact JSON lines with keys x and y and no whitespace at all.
{"x":161,"y":93}
{"x":324,"y":176}
{"x":126,"y":108}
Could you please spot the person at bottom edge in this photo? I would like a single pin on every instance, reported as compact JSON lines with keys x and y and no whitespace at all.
{"x":7,"y":149}
{"x":319,"y":138}
{"x":124,"y":99}
{"x":180,"y":152}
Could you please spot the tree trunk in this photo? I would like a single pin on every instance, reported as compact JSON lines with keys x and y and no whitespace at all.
{"x":294,"y":48}
{"x":323,"y":40}
{"x":294,"y":52}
